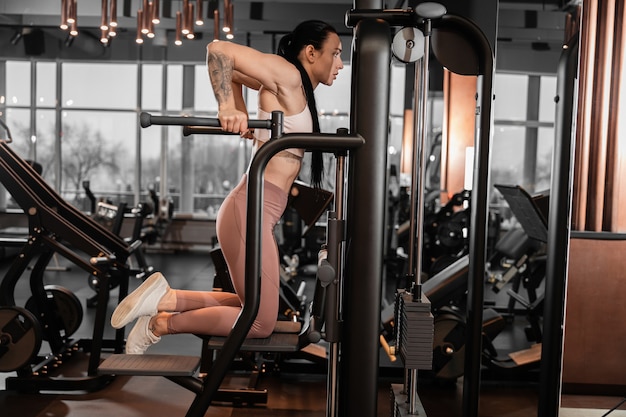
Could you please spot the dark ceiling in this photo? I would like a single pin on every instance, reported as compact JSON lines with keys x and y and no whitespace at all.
{"x":249,"y":16}
{"x":521,"y":24}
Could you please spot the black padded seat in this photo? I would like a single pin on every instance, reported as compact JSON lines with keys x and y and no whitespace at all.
{"x":284,"y":339}
{"x":443,"y":286}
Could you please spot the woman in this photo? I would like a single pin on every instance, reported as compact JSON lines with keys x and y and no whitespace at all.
{"x":308,"y":56}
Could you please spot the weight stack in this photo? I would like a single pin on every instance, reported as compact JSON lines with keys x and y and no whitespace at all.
{"x":414,"y":345}
{"x":416,"y":327}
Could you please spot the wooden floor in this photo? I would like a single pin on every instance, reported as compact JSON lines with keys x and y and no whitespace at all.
{"x":293,"y":393}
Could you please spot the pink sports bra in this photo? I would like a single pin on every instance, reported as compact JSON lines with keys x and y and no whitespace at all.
{"x":296,"y":123}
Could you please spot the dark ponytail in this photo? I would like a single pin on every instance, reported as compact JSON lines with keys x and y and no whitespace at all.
{"x":311,"y":32}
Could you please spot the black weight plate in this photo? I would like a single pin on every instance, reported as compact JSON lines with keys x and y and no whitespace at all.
{"x":20,"y":338}
{"x":68,"y":311}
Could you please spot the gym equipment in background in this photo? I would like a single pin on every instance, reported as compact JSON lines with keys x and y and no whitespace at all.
{"x":523,"y":253}
{"x":55,"y":227}
{"x":112,"y":218}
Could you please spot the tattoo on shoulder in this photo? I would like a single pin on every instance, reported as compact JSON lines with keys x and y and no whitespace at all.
{"x":221,"y":74}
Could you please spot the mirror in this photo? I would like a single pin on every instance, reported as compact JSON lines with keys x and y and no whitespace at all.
{"x":529,"y":45}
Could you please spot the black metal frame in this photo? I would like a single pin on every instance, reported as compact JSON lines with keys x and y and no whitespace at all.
{"x":559,"y":220}
{"x":56,"y":226}
{"x":323,"y":142}
{"x":477,"y":59}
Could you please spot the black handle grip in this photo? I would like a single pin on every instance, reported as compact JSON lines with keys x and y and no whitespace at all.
{"x":146,"y":120}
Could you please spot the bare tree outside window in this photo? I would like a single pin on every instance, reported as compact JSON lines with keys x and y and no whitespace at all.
{"x":85,"y":152}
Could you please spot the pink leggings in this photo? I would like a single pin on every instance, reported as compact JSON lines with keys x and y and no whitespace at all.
{"x":215,"y":313}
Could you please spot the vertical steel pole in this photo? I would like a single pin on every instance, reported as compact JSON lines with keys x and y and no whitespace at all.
{"x":163,"y":165}
{"x":478,"y":231}
{"x":428,"y":11}
{"x":334,"y":294}
{"x":463,"y":48}
{"x":417,"y":186}
{"x":369,"y":114}
{"x":558,"y":234}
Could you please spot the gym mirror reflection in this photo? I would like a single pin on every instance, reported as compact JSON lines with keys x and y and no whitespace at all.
{"x":525,"y":126}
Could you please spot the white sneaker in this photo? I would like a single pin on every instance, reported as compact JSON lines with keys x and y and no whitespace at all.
{"x":140,"y":337}
{"x":141,"y":302}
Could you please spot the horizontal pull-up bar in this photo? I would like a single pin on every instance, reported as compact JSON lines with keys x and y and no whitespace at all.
{"x":275,"y":124}
{"x":147,"y":120}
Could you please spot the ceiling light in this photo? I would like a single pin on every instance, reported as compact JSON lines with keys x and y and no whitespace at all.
{"x":113,"y":21}
{"x":104,"y":20}
{"x":178,"y":41}
{"x":139,"y":38}
{"x":199,"y":20}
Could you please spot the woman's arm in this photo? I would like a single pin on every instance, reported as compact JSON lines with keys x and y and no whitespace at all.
{"x":240,"y":105}
{"x":229,"y":62}
{"x":253,"y":67}
{"x":249,"y":82}
{"x":227,"y":92}
{"x":239,"y":80}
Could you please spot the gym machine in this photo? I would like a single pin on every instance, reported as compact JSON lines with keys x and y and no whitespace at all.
{"x":53,"y":313}
{"x":522,"y":251}
{"x":112,"y":218}
{"x":462,"y":48}
{"x":183,"y":369}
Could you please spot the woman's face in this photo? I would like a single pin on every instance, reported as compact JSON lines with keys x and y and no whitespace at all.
{"x":328,"y":61}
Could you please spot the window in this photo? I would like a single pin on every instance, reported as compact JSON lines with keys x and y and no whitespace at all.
{"x":18,"y":121}
{"x":511,"y":92}
{"x":204,"y":98}
{"x":523,"y":134}
{"x":18,"y":85}
{"x":88,"y":111}
{"x":46,"y":87}
{"x":152,"y":87}
{"x":110,"y":86}
{"x":174,"y":87}
{"x":99,"y":147}
{"x":43,"y":148}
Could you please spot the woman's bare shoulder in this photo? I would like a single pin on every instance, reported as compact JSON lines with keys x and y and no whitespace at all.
{"x":270,"y":70}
